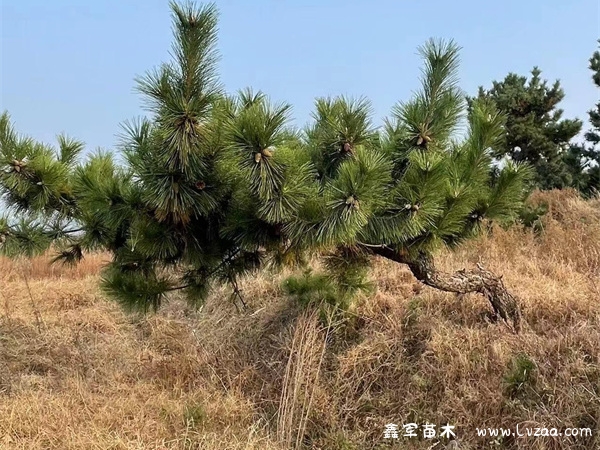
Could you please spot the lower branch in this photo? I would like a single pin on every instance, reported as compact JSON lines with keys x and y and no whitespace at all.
{"x":481,"y":280}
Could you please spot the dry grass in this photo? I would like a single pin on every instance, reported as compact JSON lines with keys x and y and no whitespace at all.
{"x":77,"y":373}
{"x":38,"y":268}
{"x":306,"y":354}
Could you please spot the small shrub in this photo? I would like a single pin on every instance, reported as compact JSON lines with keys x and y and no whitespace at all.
{"x":531,"y":216}
{"x":311,"y":289}
{"x":520,"y":377}
{"x":194,"y":415}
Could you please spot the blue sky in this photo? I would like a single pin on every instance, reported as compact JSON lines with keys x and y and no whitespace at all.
{"x":68,"y":65}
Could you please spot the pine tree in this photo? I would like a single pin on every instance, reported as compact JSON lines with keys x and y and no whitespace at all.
{"x":215,"y":186}
{"x":584,"y":159}
{"x":535,"y":130}
{"x":593,"y":136}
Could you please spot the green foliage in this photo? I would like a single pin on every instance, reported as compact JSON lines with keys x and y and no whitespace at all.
{"x":311,"y":289}
{"x":584,"y":159}
{"x":216,"y":186}
{"x":331,"y":292}
{"x":318,"y":291}
{"x":345,"y":276}
{"x":535,"y":131}
{"x":22,"y":238}
{"x":520,"y":376}
{"x":593,"y":135}
{"x":194,"y":416}
{"x":531,"y":216}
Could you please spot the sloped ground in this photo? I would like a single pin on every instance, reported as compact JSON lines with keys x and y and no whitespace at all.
{"x":78,"y":373}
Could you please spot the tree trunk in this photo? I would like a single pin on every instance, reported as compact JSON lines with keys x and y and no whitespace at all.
{"x":481,"y":280}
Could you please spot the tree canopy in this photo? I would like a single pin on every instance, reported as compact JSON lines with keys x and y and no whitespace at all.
{"x":535,"y":132}
{"x":215,"y":185}
{"x":584,"y":158}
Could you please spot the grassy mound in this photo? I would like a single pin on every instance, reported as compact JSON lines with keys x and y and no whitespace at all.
{"x":78,"y":373}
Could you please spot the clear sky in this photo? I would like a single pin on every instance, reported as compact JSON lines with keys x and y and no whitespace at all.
{"x":68,"y":65}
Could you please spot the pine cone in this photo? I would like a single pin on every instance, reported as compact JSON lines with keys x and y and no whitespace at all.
{"x":352,"y":202}
{"x":347,"y":147}
{"x":257,"y":157}
{"x":267,"y":152}
{"x":200,"y":185}
{"x":419,"y":140}
{"x":18,"y":165}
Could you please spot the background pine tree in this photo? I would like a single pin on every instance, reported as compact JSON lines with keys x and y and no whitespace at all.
{"x":214,"y":186}
{"x":584,"y":159}
{"x":536,"y":133}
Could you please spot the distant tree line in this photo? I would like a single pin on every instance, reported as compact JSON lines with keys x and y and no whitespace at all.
{"x":536,"y":133}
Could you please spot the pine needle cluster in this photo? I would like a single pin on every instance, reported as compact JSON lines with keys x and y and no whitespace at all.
{"x":214,"y":186}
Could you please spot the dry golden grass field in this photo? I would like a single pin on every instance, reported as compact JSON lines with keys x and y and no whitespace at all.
{"x":76,"y":372}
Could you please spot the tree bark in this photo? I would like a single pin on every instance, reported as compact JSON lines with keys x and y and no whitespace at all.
{"x":481,"y":280}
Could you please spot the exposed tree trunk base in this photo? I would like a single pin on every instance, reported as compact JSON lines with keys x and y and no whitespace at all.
{"x":504,"y":304}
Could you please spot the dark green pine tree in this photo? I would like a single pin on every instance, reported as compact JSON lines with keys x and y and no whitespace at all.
{"x":584,"y":159}
{"x":535,"y":130}
{"x":215,"y":186}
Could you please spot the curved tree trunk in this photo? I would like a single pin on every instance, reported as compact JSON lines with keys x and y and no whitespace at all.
{"x":481,"y":280}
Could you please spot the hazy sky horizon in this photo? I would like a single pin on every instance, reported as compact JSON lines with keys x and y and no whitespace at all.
{"x":69,"y":66}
